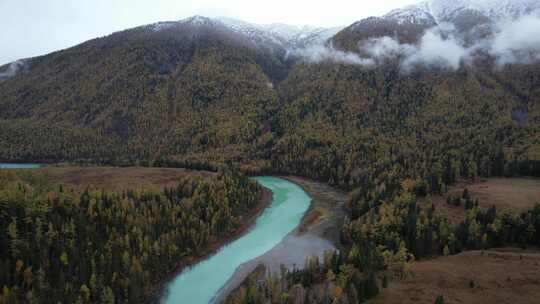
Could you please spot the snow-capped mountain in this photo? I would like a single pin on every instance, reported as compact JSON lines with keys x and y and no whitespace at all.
{"x":468,"y":20}
{"x":287,"y":36}
{"x":416,"y":14}
{"x":447,"y":11}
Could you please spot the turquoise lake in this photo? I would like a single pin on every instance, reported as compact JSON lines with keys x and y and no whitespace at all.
{"x":19,"y":166}
{"x":199,"y":284}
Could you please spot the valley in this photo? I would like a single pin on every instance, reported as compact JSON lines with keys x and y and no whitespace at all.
{"x":316,"y":234}
{"x":200,"y":283}
{"x":126,"y":220}
{"x":311,"y":232}
{"x":211,"y":160}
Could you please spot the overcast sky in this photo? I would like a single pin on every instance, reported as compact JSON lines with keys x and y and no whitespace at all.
{"x":36,"y":27}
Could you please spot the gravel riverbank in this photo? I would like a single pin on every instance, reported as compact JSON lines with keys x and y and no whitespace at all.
{"x":317,"y":233}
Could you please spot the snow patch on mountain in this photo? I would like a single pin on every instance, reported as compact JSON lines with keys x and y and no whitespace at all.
{"x":417,"y":14}
{"x":284,"y":35}
{"x":156,"y":27}
{"x":444,"y":10}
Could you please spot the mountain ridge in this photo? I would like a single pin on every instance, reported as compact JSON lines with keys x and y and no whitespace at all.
{"x":198,"y":90}
{"x":464,"y":14}
{"x":443,"y":11}
{"x":199,"y":94}
{"x":280,"y":34}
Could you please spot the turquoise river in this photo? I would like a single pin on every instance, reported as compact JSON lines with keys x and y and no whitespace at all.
{"x":19,"y":166}
{"x":199,"y":283}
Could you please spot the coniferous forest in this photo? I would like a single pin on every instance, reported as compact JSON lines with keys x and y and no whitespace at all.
{"x":70,"y":245}
{"x":202,"y":98}
{"x":381,"y":245}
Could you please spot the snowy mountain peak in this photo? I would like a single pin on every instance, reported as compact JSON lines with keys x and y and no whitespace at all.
{"x":192,"y":21}
{"x":198,"y":20}
{"x":494,"y":9}
{"x":284,"y":35}
{"x":417,"y":14}
{"x":443,"y":10}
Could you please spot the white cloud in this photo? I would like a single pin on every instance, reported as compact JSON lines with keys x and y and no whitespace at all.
{"x":320,"y":53}
{"x":386,"y":47}
{"x":517,"y":41}
{"x":513,"y":41}
{"x":435,"y":50}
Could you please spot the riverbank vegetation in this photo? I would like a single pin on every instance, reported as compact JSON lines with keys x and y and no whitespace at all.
{"x":176,"y":99}
{"x":383,"y":242}
{"x":394,"y":144}
{"x":64,"y":244}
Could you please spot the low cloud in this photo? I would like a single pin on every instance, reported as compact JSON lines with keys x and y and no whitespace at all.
{"x":434,"y":50}
{"x":386,"y":47}
{"x":514,"y":41}
{"x":517,"y":41}
{"x":320,"y":53}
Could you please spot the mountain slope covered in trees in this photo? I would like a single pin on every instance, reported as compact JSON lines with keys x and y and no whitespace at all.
{"x":141,"y":94}
{"x":197,"y":94}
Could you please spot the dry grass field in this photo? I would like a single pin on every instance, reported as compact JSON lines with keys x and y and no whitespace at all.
{"x":504,"y":193}
{"x":112,"y":178}
{"x":507,"y":193}
{"x":500,"y":276}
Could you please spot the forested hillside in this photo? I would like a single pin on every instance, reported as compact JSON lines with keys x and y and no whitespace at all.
{"x":351,"y":126}
{"x":197,"y":96}
{"x":394,"y":139}
{"x":70,"y":245}
{"x":140,"y":95}
{"x":390,"y":234}
{"x":200,"y":94}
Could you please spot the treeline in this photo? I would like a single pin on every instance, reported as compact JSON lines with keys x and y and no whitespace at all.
{"x":66,"y":245}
